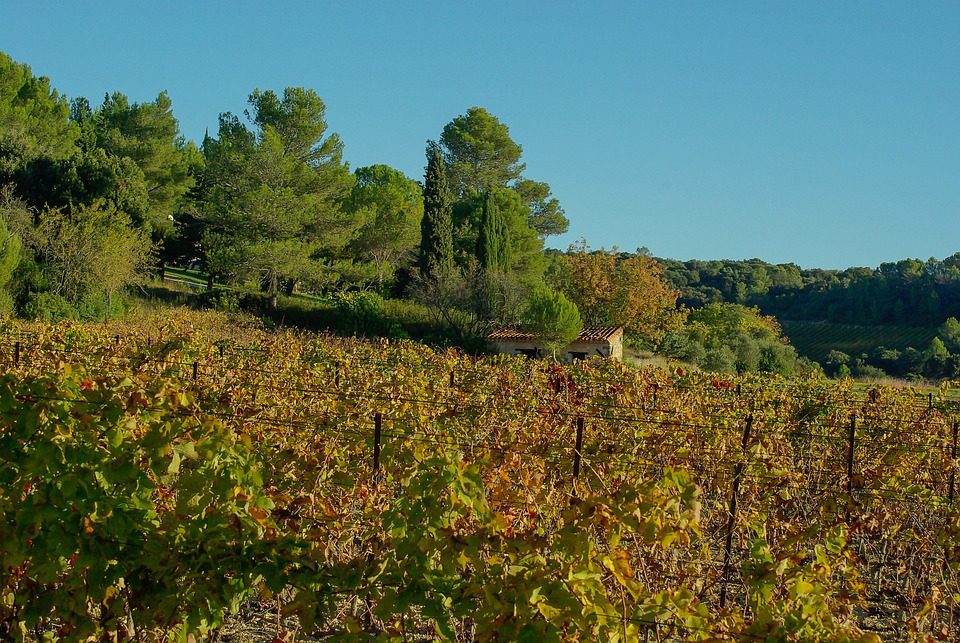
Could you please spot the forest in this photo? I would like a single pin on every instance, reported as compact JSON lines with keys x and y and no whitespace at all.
{"x":907,"y":293}
{"x":100,"y":202}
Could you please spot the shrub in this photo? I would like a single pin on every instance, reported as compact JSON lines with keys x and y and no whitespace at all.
{"x":48,"y":307}
{"x":96,"y":306}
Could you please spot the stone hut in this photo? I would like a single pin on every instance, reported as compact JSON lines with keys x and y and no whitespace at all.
{"x":602,"y":341}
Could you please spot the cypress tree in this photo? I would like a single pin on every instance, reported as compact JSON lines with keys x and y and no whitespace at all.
{"x":493,"y":246}
{"x":436,"y":227}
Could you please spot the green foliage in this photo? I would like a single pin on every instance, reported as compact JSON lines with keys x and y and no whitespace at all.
{"x":545,"y":214}
{"x":479,"y":153}
{"x":732,"y":338}
{"x":133,"y":512}
{"x":481,"y":157}
{"x":49,"y":307}
{"x":553,"y":319}
{"x":523,"y":256}
{"x":148,"y":135}
{"x":436,"y":231}
{"x":90,"y":250}
{"x":96,"y":306}
{"x":949,"y":333}
{"x":493,"y":242}
{"x":391,"y":207}
{"x":10,"y":248}
{"x":272,"y":195}
{"x":34,"y":119}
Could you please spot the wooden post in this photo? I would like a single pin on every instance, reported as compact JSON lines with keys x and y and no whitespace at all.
{"x":577,"y":448}
{"x":732,"y":514}
{"x":196,"y":371}
{"x":738,"y":389}
{"x":336,"y":375}
{"x":220,"y":350}
{"x":930,"y":400}
{"x":851,"y":445}
{"x":149,"y":341}
{"x":16,"y":353}
{"x":452,"y":381}
{"x":656,"y":387}
{"x":953,"y":463}
{"x":377,"y":430}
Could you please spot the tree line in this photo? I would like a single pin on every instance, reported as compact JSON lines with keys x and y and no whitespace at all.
{"x":98,"y":198}
{"x":908,"y":292}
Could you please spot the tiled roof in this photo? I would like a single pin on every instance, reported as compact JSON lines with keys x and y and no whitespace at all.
{"x":589,"y":334}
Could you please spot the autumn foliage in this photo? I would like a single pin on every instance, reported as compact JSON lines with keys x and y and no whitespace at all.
{"x":610,"y":289}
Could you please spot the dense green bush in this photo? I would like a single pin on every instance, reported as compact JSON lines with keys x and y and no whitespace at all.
{"x":48,"y":307}
{"x":731,"y":339}
{"x":96,"y":306}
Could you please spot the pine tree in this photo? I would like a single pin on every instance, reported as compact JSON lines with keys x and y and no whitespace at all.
{"x":436,"y":228}
{"x":493,"y":244}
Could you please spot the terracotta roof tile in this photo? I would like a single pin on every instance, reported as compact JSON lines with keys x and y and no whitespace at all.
{"x":589,"y":334}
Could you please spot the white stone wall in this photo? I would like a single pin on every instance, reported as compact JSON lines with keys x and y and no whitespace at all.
{"x":590,"y":348}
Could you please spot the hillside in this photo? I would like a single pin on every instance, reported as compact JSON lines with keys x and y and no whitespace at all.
{"x":816,"y":339}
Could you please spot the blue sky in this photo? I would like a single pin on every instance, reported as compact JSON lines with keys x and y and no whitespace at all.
{"x":825,"y":134}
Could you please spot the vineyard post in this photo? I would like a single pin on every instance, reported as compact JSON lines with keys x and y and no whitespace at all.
{"x":851,"y":445}
{"x":149,"y":341}
{"x":929,"y":400}
{"x":732,"y":515}
{"x":576,"y":450}
{"x":336,"y":375}
{"x":452,"y":381}
{"x":377,"y":429}
{"x":220,"y":350}
{"x":953,"y":463}
{"x":16,"y":353}
{"x":738,"y":389}
{"x":196,"y":370}
{"x":656,"y":387}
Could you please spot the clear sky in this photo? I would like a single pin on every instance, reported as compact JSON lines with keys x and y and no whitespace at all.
{"x":822,"y":133}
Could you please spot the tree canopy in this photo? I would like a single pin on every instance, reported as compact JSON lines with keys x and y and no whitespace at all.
{"x":390,"y":206}
{"x":625,"y":291}
{"x":436,"y":231}
{"x":273,"y":193}
{"x":553,"y":319}
{"x":481,"y":157}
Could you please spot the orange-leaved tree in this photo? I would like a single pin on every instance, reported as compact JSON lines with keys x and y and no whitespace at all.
{"x":628,"y":291}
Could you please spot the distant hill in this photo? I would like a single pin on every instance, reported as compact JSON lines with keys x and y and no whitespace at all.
{"x":909,"y":292}
{"x":883,"y":320}
{"x":815,"y":339}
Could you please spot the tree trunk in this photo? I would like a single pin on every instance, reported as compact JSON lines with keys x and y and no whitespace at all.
{"x":209,"y":281}
{"x":273,"y":289}
{"x":289,"y":287}
{"x":163,"y":270}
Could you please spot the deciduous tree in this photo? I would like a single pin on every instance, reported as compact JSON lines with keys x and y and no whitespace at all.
{"x":628,"y":292}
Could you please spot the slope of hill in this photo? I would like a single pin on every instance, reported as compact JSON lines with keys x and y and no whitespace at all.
{"x":816,"y":339}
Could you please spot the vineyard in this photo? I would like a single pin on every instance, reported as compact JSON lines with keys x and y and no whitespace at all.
{"x":158,"y":477}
